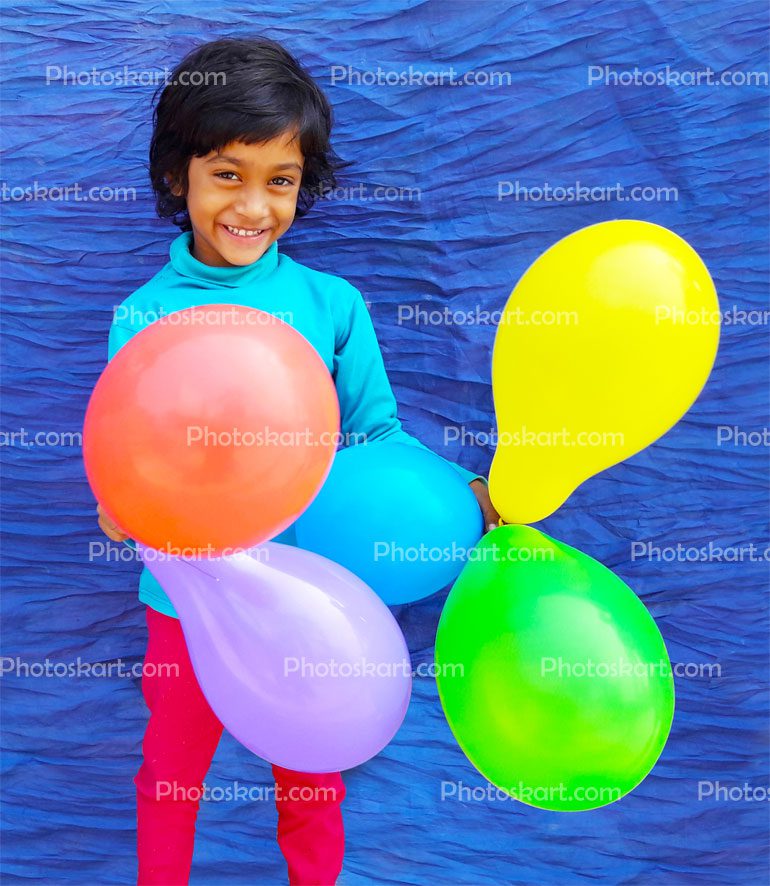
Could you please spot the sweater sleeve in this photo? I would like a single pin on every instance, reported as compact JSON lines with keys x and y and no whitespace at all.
{"x":368,"y":409}
{"x":119,"y":335}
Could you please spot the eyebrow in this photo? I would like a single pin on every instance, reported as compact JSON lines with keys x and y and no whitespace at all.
{"x":226,"y":157}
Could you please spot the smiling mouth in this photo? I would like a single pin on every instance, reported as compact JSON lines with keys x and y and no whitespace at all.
{"x":245,"y":234}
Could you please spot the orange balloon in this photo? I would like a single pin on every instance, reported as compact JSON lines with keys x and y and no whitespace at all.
{"x":213,"y":428}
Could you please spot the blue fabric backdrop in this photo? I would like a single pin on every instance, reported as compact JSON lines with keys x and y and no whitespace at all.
{"x":72,"y":744}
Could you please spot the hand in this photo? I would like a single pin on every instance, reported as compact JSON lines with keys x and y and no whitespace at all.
{"x":481,"y":491}
{"x":110,"y":528}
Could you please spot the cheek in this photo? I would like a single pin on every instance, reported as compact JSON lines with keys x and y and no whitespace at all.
{"x":206,"y":199}
{"x":286,"y":208}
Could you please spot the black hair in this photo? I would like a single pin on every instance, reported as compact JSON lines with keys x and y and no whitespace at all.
{"x":250,"y":90}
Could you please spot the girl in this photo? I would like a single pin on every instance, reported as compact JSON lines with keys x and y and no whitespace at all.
{"x":240,"y":146}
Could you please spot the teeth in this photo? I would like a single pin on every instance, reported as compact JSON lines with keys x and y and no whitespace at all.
{"x":243,"y":232}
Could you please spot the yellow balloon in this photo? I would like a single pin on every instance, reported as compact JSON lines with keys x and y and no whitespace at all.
{"x":603,"y":345}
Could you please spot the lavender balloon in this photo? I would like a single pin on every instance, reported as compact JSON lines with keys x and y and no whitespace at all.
{"x":298,"y":658}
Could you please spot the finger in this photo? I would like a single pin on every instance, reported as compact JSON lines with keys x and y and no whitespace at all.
{"x":113,"y":526}
{"x":111,"y":531}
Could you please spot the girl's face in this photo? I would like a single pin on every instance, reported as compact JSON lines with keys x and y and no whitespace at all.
{"x":243,"y":199}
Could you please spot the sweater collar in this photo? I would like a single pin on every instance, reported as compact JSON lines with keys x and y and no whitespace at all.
{"x":185,"y":264}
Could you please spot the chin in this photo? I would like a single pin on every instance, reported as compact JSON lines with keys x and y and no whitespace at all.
{"x":241,"y":255}
{"x":241,"y":261}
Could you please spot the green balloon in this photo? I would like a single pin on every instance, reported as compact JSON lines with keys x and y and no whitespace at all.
{"x":553,"y":676}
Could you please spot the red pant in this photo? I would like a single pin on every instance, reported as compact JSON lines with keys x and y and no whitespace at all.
{"x":179,"y":743}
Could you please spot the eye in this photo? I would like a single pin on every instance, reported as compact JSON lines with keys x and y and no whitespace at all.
{"x":226,"y":172}
{"x":282,"y":181}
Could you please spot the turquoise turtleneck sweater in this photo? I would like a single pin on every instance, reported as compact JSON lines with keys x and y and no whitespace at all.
{"x":327,"y":310}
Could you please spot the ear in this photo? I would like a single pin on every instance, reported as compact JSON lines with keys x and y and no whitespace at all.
{"x":173,"y":185}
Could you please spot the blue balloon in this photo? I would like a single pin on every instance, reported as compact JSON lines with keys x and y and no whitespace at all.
{"x":399,"y":517}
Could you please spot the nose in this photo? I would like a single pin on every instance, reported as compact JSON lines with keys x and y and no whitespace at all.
{"x":253,"y":205}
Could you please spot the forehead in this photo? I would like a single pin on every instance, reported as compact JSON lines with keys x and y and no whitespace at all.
{"x":283,"y":148}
